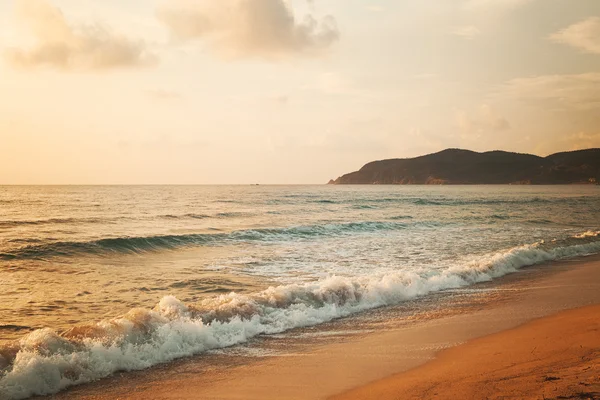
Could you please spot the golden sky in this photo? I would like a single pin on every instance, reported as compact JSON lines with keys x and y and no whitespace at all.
{"x":286,"y":91}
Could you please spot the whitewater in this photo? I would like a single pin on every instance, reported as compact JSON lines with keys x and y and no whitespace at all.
{"x":98,"y":280}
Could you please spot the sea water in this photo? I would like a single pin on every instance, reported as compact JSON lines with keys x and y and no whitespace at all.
{"x":95,"y":280}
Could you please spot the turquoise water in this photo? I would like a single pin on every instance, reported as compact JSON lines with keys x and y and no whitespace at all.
{"x":99,"y":279}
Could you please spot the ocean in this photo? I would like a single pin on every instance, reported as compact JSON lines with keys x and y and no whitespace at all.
{"x":100,"y":279}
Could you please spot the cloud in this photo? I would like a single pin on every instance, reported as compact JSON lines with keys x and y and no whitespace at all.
{"x":484,"y":121}
{"x":468,"y":32}
{"x":581,"y":91}
{"x":584,"y":35}
{"x":65,"y":46}
{"x":249,"y":28}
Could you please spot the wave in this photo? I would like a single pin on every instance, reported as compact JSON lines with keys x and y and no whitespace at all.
{"x":208,"y":285}
{"x":587,"y":234}
{"x":51,"y":221}
{"x":400,"y":217}
{"x":14,"y":327}
{"x":205,"y":216}
{"x":539,"y":221}
{"x":363,"y":207}
{"x":45,"y":362}
{"x":440,"y":201}
{"x":467,"y":202}
{"x":138,"y":245}
{"x":232,"y":214}
{"x":185,"y":216}
{"x":59,"y":221}
{"x":445,"y":201}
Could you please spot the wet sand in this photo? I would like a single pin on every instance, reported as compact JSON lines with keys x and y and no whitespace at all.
{"x":371,"y":365}
{"x":557,"y":357}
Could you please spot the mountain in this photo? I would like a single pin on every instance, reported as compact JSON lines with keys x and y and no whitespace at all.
{"x":456,"y":166}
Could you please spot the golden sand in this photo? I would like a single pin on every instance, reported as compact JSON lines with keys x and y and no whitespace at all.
{"x":557,"y":357}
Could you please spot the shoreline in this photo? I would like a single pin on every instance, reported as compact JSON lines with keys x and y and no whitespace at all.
{"x":338,"y":366}
{"x":555,"y":357}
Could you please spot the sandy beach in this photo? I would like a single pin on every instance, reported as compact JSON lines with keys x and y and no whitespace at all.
{"x":299,"y":200}
{"x":522,"y":345}
{"x":556,"y":357}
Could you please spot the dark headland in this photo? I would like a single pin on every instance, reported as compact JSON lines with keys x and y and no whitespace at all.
{"x":456,"y":166}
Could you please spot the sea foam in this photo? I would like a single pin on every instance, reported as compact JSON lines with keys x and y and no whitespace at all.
{"x":45,"y":362}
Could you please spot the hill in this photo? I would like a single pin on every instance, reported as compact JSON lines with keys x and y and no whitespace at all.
{"x":456,"y":166}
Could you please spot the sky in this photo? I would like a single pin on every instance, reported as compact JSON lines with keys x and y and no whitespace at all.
{"x":286,"y":91}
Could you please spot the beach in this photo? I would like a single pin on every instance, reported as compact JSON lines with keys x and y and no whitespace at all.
{"x":537,"y":339}
{"x":557,"y":357}
{"x":297,"y":292}
{"x":299,"y":200}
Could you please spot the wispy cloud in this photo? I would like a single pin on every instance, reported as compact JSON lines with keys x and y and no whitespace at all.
{"x":66,"y":46}
{"x":266,"y":29}
{"x":584,"y":35}
{"x":580,"y":91}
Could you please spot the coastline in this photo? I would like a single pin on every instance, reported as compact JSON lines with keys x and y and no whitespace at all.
{"x":338,"y":366}
{"x":556,"y":357}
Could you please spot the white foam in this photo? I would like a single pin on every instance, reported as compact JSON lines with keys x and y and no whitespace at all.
{"x":588,"y":234}
{"x":47,"y":362}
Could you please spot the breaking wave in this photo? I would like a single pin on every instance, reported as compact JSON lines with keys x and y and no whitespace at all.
{"x":168,"y":242}
{"x":45,"y":362}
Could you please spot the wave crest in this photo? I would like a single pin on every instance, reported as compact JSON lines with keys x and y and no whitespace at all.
{"x":45,"y":362}
{"x":168,"y":242}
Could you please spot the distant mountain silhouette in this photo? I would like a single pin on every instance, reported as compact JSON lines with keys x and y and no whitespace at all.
{"x":455,"y":166}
